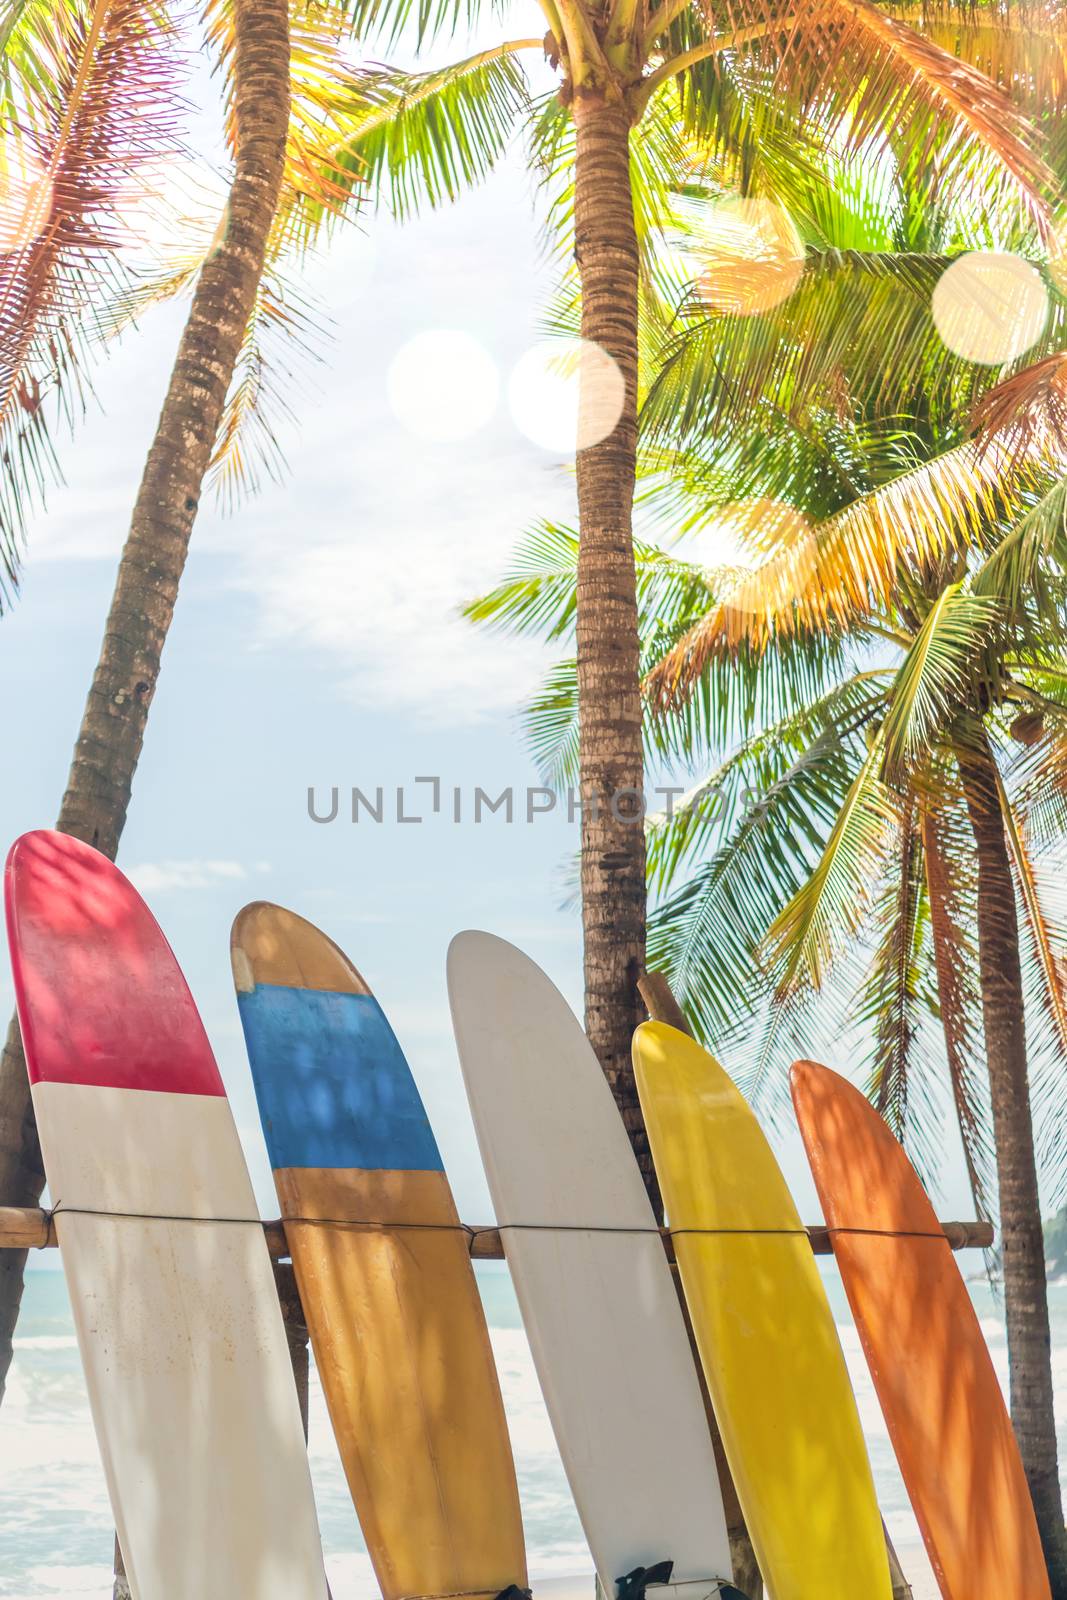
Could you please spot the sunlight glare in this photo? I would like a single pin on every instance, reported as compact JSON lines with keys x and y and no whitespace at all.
{"x":751,"y":256}
{"x":763,"y":551}
{"x":990,"y":307}
{"x":566,"y":394}
{"x":443,"y":386}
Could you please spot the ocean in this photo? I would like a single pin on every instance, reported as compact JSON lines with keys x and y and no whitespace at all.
{"x":55,"y":1524}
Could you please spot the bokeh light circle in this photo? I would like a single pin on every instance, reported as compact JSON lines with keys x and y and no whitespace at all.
{"x":750,"y":254}
{"x":990,"y":306}
{"x":443,"y":386}
{"x":764,"y":553}
{"x":566,"y":394}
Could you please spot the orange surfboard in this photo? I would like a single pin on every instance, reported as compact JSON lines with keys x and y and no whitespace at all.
{"x":931,"y":1367}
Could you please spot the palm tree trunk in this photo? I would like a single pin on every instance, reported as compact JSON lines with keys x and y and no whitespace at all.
{"x":1022,"y":1242}
{"x":112,"y":731}
{"x":609,"y":688}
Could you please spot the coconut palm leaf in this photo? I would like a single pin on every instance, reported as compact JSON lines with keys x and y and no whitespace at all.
{"x":423,"y":138}
{"x":550,"y":722}
{"x":1039,"y":534}
{"x":537,"y":596}
{"x":327,"y":96}
{"x":938,"y":675}
{"x":1036,"y":776}
{"x":860,"y":70}
{"x":839,"y":573}
{"x":895,"y":1002}
{"x":950,"y":865}
{"x":1019,"y":47}
{"x":87,"y":155}
{"x":866,"y":313}
{"x":390,"y":21}
{"x":1028,"y":409}
{"x":280,"y":340}
{"x":32,"y":35}
{"x":706,"y":934}
{"x":1046,"y":983}
{"x":799,"y":947}
{"x":710,"y":811}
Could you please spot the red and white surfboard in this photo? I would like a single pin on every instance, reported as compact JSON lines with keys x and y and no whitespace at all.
{"x":178,"y":1321}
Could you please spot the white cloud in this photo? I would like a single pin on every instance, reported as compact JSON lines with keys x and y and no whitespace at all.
{"x":367,"y":555}
{"x":155,"y":877}
{"x":366,"y":552}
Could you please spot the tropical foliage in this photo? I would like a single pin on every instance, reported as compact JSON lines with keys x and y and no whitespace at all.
{"x":855,"y":642}
{"x":99,"y":219}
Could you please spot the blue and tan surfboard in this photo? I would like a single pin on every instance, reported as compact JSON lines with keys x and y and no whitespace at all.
{"x":383,"y":1268}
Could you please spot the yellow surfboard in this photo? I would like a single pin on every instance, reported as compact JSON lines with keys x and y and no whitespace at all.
{"x":383,"y":1267}
{"x":764,"y":1329}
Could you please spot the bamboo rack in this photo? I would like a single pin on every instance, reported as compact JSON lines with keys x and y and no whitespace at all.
{"x":30,"y":1228}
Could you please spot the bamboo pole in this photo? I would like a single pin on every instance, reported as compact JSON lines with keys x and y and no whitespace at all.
{"x":30,"y":1228}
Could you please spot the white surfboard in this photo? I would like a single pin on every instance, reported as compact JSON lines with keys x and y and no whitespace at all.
{"x":600,"y":1308}
{"x":174,"y":1303}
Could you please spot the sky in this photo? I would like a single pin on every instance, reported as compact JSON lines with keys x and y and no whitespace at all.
{"x":317,"y":642}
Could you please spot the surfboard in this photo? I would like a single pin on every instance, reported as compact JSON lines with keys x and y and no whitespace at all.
{"x":174,"y":1303}
{"x":393,"y":1309}
{"x":763,"y":1325}
{"x":931,"y":1367}
{"x":590,"y":1273}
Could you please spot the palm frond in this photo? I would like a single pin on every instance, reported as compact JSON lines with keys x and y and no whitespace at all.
{"x":414,"y":21}
{"x":938,"y":674}
{"x":281,"y":335}
{"x":550,"y":722}
{"x":895,"y":1002}
{"x":950,"y":878}
{"x":1045,"y":974}
{"x":830,"y":907}
{"x":328,"y":96}
{"x":1027,"y":411}
{"x":707,"y":933}
{"x":829,"y":730}
{"x":839,"y":573}
{"x":850,"y":64}
{"x":104,"y":110}
{"x":423,"y":138}
{"x":1038,"y":535}
{"x":1019,"y":47}
{"x":538,"y":594}
{"x":864,"y":313}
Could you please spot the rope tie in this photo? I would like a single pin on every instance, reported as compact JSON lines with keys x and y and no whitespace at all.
{"x":471,"y":1233}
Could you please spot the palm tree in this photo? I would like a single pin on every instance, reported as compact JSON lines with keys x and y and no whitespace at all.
{"x":748,"y":82}
{"x":874,"y":692}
